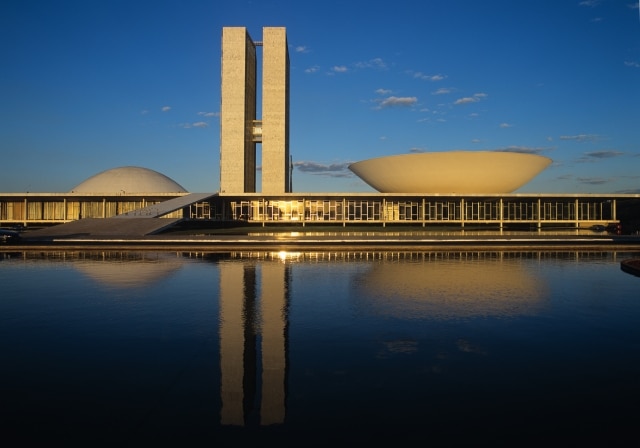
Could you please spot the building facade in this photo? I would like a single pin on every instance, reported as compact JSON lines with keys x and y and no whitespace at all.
{"x":240,"y":127}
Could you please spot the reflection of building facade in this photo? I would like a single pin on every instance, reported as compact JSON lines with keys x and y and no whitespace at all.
{"x":253,"y":307}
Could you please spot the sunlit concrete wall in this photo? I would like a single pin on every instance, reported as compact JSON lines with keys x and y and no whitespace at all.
{"x":237,"y":112}
{"x":275,"y":111}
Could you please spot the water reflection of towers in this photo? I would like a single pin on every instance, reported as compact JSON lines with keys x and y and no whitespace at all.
{"x":253,"y":340}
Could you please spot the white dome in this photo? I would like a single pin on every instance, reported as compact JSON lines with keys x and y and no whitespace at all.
{"x":129,"y":179}
{"x":451,"y":172}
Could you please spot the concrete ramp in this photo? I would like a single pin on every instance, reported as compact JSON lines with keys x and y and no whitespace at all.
{"x":166,"y":207}
{"x":136,"y":223}
{"x":101,"y":228}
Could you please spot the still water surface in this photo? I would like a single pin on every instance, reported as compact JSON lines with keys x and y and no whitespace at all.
{"x":133,"y":348}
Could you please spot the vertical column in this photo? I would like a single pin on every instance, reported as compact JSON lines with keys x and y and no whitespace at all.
{"x":273,"y":301}
{"x":237,"y":112}
{"x":237,"y":351}
{"x":275,"y":112}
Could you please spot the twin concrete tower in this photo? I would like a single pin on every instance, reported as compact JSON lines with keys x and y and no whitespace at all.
{"x":240,"y":128}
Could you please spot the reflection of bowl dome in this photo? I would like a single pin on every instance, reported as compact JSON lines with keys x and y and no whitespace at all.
{"x":457,"y":172}
{"x":130,"y":271}
{"x":129,"y":179}
{"x":450,"y":289}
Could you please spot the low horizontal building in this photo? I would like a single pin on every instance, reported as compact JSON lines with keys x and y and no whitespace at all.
{"x":308,"y":209}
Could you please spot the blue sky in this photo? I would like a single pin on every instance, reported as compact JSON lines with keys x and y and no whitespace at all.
{"x":91,"y":85}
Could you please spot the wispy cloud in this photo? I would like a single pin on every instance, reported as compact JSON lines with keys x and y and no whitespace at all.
{"x":505,"y":125}
{"x":442,"y":91}
{"x":632,"y":64}
{"x":339,"y":69}
{"x":165,"y":108}
{"x":209,"y":114}
{"x":383,"y":91}
{"x":589,"y":3}
{"x":523,"y":149}
{"x":603,"y":154}
{"x":426,"y":77}
{"x":581,"y":137}
{"x":371,"y":63}
{"x":593,"y":180}
{"x":301,"y":49}
{"x":471,"y":99}
{"x":313,"y":69}
{"x":394,"y":101}
{"x":331,"y":170}
{"x":197,"y":124}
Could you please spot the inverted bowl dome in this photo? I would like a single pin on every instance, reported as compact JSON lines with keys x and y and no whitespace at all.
{"x":466,"y":172}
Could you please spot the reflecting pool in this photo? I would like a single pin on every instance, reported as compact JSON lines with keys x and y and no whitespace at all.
{"x":139,"y":348}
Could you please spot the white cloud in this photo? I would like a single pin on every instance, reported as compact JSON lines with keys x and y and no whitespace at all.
{"x":313,"y":69}
{"x":398,"y":101}
{"x":301,"y":49}
{"x":505,"y":125}
{"x":426,"y":77}
{"x":165,"y":108}
{"x":371,"y":63}
{"x":339,"y":69}
{"x":209,"y":114}
{"x":471,"y":99}
{"x":383,"y":91}
{"x":441,"y":91}
{"x":197,"y":124}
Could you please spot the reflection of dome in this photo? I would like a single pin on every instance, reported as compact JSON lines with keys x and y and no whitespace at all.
{"x":129,"y":179}
{"x":450,"y":289}
{"x":130,"y":271}
{"x":465,"y":172}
